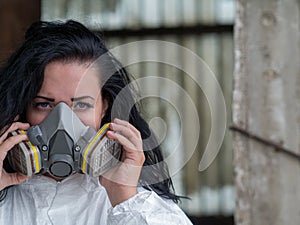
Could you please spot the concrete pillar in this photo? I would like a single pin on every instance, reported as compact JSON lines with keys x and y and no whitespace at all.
{"x":266,"y":103}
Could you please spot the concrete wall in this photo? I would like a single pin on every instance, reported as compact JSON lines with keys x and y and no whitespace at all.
{"x":266,"y":103}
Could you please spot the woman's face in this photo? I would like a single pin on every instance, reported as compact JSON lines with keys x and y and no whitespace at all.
{"x":74,"y":85}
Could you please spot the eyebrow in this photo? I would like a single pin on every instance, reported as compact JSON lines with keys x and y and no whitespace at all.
{"x":72,"y":99}
{"x":80,"y":98}
{"x":46,"y":98}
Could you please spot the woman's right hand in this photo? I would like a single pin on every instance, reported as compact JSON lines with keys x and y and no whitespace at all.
{"x":6,"y":144}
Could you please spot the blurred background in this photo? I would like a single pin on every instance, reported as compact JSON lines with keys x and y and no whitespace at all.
{"x":203,"y":26}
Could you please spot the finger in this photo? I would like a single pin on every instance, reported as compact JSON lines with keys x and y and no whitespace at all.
{"x":132,"y":152}
{"x":17,"y":118}
{"x":13,"y":127}
{"x":133,"y":142}
{"x":121,"y":139}
{"x":16,"y":178}
{"x":1,"y":168}
{"x":128,"y":125}
{"x":3,"y":130}
{"x":128,"y":133}
{"x":13,"y":178}
{"x":9,"y":143}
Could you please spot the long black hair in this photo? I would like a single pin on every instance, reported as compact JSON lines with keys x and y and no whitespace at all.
{"x":22,"y":75}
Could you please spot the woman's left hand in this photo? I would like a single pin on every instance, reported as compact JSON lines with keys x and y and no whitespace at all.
{"x":121,"y":181}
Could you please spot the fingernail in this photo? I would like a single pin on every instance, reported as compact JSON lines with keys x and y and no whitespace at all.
{"x":108,"y":133}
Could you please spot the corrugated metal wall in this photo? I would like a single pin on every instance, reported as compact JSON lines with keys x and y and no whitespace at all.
{"x":205,"y":28}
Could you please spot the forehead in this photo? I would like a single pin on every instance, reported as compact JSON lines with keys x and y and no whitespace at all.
{"x":70,"y":79}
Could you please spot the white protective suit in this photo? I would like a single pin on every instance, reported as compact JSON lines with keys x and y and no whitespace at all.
{"x":80,"y":199}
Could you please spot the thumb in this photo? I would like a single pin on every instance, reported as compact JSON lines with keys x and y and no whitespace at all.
{"x":16,"y":178}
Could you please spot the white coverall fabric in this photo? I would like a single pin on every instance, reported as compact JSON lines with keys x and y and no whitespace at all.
{"x":80,"y":199}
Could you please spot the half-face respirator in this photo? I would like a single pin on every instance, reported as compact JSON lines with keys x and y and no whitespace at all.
{"x":62,"y":145}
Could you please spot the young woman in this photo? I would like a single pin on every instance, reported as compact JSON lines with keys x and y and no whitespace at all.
{"x":67,"y":63}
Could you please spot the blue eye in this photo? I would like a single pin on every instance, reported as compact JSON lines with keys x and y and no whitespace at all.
{"x":82,"y":105}
{"x":42,"y":105}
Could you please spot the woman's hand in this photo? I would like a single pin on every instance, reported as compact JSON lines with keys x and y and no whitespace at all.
{"x":121,"y":181}
{"x":6,"y":144}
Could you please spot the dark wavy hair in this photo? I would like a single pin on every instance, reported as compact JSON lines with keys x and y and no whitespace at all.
{"x":22,"y":75}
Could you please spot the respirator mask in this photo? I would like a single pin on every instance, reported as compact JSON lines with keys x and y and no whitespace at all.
{"x":62,"y":145}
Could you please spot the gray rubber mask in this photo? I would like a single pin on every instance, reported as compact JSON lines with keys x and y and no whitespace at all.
{"x":62,"y":145}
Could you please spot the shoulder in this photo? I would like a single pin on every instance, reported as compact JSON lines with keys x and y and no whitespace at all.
{"x":148,"y":208}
